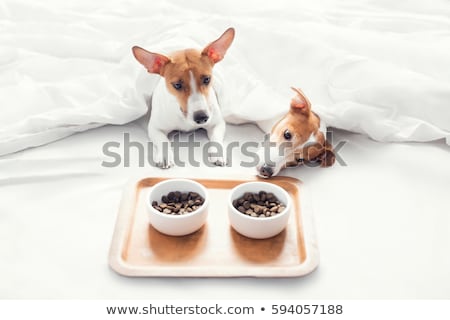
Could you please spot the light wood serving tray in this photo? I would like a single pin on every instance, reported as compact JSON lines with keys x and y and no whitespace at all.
{"x":216,"y":250}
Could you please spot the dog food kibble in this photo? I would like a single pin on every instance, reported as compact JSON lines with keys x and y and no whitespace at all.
{"x":178,"y":203}
{"x":262,"y":204}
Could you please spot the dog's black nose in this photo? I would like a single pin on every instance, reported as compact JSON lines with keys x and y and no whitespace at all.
{"x":200,"y":117}
{"x":266,"y":171}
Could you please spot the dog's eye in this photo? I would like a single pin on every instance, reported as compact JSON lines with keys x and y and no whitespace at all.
{"x":287,"y":135}
{"x":206,"y":80}
{"x":177,"y":85}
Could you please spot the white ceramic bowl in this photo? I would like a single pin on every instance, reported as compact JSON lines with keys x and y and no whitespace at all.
{"x":254,"y":227}
{"x":177,"y":225}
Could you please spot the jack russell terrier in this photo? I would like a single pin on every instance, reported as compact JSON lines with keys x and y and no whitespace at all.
{"x":301,"y":135}
{"x":186,"y":99}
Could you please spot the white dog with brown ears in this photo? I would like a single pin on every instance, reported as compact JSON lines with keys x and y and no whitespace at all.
{"x":184,"y":98}
{"x":299,"y":137}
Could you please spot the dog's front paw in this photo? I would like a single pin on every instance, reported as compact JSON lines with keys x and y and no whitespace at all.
{"x":218,"y":161}
{"x":165,"y":162}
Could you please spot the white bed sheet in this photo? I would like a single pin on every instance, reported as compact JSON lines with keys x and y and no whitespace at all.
{"x":382,"y":221}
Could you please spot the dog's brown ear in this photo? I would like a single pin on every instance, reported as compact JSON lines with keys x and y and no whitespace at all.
{"x":216,"y":50}
{"x":153,"y":62}
{"x":300,"y":102}
{"x":327,"y":157}
{"x":323,"y":154}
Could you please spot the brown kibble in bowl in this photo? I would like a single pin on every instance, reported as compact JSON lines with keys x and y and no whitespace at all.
{"x":179,"y":203}
{"x":261,"y":204}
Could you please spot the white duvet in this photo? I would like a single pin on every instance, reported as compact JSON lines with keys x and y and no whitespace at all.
{"x":381,"y":68}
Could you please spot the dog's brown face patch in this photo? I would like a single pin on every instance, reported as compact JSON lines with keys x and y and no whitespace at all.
{"x":189,"y":72}
{"x":177,"y":75}
{"x":299,"y":127}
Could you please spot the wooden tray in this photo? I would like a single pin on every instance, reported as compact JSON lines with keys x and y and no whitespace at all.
{"x":215,"y":250}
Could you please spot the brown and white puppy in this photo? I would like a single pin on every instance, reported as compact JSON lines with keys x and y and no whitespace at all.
{"x":184,"y":99}
{"x":299,"y":137}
